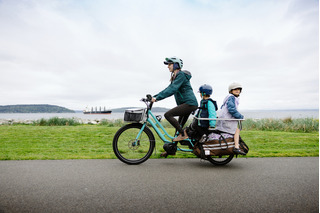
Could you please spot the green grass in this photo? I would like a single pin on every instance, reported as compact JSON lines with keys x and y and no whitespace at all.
{"x":28,"y":142}
{"x":281,"y":144}
{"x":56,"y":142}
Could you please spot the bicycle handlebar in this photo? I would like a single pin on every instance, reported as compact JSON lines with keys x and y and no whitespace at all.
{"x":148,"y":101}
{"x":149,"y":97}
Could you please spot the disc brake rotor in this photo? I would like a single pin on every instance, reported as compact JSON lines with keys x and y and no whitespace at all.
{"x":134,"y":144}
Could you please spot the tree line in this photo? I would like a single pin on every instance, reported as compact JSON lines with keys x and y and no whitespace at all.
{"x":34,"y":108}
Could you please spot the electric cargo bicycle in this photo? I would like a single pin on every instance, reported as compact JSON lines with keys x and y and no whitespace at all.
{"x":134,"y":143}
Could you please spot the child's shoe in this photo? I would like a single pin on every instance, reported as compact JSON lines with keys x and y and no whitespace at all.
{"x":238,"y":151}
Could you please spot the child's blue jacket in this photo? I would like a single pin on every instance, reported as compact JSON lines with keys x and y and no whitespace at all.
{"x":231,"y":105}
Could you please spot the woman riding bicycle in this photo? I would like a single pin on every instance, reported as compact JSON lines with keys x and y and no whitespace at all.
{"x":181,"y":88}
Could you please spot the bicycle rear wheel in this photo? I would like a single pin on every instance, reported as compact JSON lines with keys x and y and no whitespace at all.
{"x":130,"y":150}
{"x":220,"y":160}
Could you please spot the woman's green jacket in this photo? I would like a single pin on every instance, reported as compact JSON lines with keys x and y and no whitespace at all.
{"x":181,"y":88}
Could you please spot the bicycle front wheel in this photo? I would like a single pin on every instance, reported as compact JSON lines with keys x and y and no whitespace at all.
{"x":130,"y":149}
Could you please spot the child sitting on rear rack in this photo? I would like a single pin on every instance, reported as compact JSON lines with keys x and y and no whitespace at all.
{"x":207,"y":109}
{"x":229,"y":111}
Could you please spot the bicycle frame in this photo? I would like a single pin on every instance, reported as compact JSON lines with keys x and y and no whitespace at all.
{"x":163,"y":133}
{"x":160,"y":130}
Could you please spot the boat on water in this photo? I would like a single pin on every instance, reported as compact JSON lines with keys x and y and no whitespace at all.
{"x":96,"y":111}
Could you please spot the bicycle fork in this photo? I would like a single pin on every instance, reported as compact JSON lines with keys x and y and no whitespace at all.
{"x":137,"y":140}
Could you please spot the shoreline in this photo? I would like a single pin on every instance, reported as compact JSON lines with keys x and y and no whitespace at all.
{"x":31,"y":121}
{"x":12,"y":121}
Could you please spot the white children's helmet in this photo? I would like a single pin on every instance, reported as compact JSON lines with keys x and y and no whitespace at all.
{"x":235,"y":85}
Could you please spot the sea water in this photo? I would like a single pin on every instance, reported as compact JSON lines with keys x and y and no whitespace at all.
{"x":276,"y":114}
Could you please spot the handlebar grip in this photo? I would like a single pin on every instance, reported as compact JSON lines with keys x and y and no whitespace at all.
{"x":149,"y":97}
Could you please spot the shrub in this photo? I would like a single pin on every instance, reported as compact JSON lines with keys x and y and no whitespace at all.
{"x":55,"y":121}
{"x":112,"y":123}
{"x":287,"y":124}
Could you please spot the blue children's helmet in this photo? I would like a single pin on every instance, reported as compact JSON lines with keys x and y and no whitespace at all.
{"x":205,"y":89}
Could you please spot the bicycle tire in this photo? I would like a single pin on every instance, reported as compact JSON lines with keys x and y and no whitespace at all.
{"x":130,"y":151}
{"x":221,"y":162}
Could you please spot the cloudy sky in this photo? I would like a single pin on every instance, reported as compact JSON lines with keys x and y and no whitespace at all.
{"x":78,"y":53}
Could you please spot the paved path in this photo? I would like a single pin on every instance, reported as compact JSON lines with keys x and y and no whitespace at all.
{"x":166,"y":185}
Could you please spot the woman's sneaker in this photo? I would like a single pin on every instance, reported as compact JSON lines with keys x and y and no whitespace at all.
{"x":165,"y":154}
{"x":181,"y":137}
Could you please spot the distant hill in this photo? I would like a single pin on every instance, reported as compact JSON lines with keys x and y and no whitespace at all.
{"x":34,"y":108}
{"x":154,"y":109}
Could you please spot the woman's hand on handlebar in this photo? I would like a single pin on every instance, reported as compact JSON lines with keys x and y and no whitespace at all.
{"x":149,"y":101}
{"x":153,"y":100}
{"x":150,"y":98}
